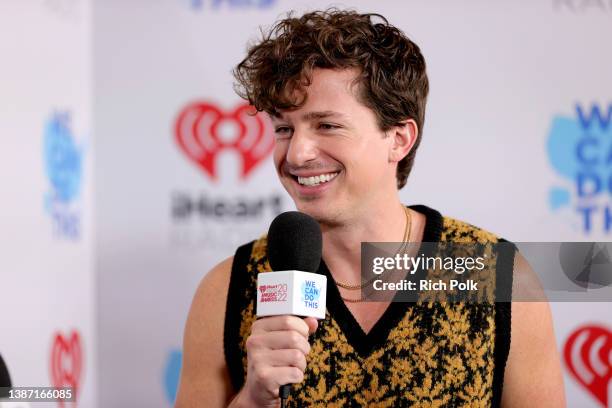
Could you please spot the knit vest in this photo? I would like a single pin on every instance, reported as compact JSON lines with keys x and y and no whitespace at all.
{"x":418,"y":354}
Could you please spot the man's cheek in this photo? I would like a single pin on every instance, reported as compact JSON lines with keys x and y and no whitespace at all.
{"x":278,"y":160}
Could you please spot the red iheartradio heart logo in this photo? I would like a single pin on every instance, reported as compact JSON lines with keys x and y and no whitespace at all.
{"x":588,"y":355}
{"x":202,"y":130}
{"x":66,"y":362}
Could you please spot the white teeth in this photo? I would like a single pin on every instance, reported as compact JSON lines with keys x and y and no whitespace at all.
{"x":316,"y":180}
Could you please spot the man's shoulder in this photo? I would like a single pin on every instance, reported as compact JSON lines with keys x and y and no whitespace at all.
{"x":249,"y":259}
{"x":455,"y":230}
{"x":255,"y":250}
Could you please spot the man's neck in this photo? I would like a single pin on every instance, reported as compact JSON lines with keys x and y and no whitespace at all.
{"x":342,"y":243}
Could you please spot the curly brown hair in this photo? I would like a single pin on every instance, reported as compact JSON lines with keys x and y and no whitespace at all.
{"x":392,"y":82}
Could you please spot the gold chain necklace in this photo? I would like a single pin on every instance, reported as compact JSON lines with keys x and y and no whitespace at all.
{"x":347,"y":286}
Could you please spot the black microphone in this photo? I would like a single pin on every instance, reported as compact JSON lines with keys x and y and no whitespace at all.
{"x":295,"y":245}
{"x":5,"y":379}
{"x":295,"y":242}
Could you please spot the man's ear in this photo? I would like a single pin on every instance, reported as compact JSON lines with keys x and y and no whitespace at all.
{"x":404,"y":136}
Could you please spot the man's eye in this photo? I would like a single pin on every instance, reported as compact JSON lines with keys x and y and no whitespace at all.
{"x":327,"y":126}
{"x":283,"y":131}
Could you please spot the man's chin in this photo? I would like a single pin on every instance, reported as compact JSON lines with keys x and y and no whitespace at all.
{"x":321,"y":213}
{"x":304,"y":206}
{"x":315,"y":205}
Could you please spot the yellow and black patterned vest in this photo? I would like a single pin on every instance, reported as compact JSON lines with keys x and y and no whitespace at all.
{"x":433,"y":354}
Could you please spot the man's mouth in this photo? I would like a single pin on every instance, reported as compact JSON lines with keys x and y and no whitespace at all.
{"x":316,"y":180}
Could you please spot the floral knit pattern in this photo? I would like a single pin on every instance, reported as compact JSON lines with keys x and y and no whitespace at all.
{"x":439,"y":354}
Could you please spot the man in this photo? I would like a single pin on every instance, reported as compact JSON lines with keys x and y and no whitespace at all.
{"x":346,"y":93}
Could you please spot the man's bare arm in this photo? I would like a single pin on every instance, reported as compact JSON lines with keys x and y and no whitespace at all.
{"x":205,"y":378}
{"x":533,"y":372}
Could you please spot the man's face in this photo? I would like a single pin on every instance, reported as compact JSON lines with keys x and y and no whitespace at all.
{"x":330,"y":154}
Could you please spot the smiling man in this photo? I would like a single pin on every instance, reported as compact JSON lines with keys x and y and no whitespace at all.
{"x":346,"y":93}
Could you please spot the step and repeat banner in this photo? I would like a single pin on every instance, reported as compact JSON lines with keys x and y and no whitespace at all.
{"x":115,"y":206}
{"x":47,"y":294}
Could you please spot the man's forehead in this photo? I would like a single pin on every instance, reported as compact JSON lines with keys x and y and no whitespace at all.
{"x":327,"y":90}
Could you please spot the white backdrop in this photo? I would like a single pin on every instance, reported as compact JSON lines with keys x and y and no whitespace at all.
{"x":47,"y":332}
{"x":503,"y":147}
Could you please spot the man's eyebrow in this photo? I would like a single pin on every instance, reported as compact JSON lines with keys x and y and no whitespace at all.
{"x":313,"y":115}
{"x":321,"y":115}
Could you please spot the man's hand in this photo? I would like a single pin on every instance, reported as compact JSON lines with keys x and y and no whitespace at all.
{"x":276,"y":353}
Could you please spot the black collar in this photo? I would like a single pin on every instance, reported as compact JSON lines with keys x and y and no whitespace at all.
{"x":365,"y":343}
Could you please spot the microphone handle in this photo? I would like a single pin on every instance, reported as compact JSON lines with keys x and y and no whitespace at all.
{"x":284,"y":392}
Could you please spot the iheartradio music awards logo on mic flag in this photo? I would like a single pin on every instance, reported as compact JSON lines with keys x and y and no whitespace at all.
{"x":273,"y":293}
{"x":223,"y":210}
{"x":588,"y":357}
{"x":66,"y":362}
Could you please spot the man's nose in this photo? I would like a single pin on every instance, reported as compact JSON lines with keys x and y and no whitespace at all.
{"x":302,"y":148}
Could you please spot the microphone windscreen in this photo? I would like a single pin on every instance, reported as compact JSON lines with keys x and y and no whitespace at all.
{"x":5,"y":379}
{"x":295,"y":242}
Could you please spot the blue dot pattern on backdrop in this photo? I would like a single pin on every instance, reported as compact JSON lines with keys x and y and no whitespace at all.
{"x":562,"y":142}
{"x":558,"y":197}
{"x":63,"y":160}
{"x":171,"y":374}
{"x":580,"y":149}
